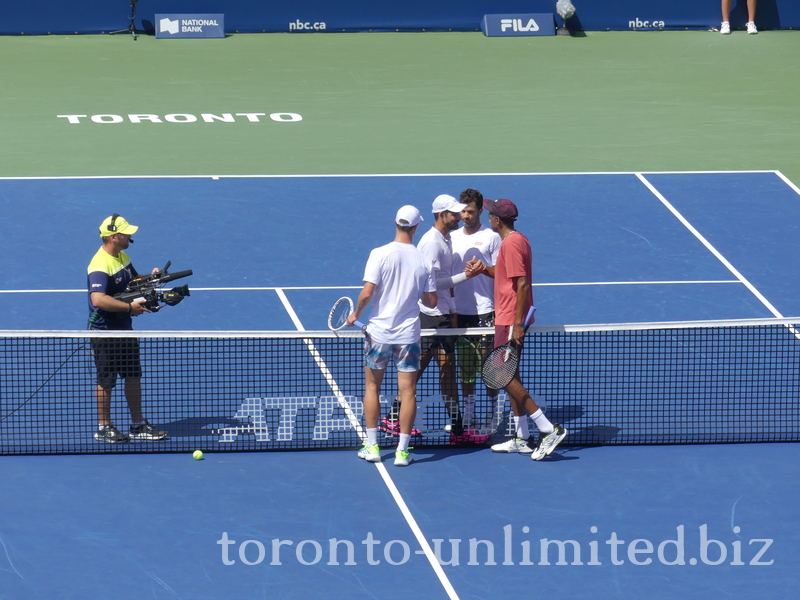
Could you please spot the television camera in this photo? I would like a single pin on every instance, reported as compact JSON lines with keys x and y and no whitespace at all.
{"x":149,"y":288}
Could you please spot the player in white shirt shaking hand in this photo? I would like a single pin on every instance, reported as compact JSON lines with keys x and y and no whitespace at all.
{"x":436,"y":246}
{"x":475,"y":298}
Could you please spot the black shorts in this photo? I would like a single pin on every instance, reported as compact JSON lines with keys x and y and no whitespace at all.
{"x":484,"y":320}
{"x":446,"y":343}
{"x":116,"y":356}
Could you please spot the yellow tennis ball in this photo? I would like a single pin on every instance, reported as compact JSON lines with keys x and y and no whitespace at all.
{"x":197,"y":454}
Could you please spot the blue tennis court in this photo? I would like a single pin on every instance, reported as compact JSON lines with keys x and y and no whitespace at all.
{"x":273,"y":253}
{"x":607,"y":248}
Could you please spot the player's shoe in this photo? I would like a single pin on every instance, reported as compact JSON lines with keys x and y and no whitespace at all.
{"x":470,"y":437}
{"x":110,"y":434}
{"x":145,"y":431}
{"x":515,"y":444}
{"x":402,"y":458}
{"x":456,"y":427}
{"x":725,"y":28}
{"x":389,"y":426}
{"x":751,"y":27}
{"x":547,"y":443}
{"x":370,"y":453}
{"x":393,"y":427}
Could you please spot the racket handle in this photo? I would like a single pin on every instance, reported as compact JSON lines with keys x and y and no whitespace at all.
{"x":359,"y":324}
{"x":528,"y":318}
{"x":526,"y":322}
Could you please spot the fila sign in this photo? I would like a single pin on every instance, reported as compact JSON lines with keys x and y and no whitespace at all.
{"x":518,"y":25}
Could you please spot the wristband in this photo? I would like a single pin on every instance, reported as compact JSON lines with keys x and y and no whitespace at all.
{"x":130,"y":308}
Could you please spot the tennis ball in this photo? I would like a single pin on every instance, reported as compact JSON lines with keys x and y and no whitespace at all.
{"x":198,"y":454}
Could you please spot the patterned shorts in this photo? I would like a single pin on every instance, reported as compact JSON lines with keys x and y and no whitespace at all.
{"x":377,"y":356}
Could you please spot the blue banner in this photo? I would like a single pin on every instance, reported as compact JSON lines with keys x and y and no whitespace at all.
{"x":312,"y":16}
{"x":518,"y":25}
{"x":190,"y":26}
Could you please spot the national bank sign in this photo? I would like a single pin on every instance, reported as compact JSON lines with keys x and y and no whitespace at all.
{"x":190,"y":26}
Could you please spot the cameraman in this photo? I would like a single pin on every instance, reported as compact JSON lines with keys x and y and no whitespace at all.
{"x":110,"y":272}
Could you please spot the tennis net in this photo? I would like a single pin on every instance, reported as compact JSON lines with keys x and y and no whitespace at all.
{"x":657,"y":383}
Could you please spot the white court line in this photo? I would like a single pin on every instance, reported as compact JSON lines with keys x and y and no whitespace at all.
{"x":358,"y":287}
{"x":787,"y":182}
{"x":366,"y":175}
{"x":340,"y":398}
{"x":412,"y":523}
{"x":688,"y":282}
{"x":709,"y":246}
{"x":387,"y":479}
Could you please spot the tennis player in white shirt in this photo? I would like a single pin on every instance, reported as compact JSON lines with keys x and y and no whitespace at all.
{"x":437,"y":247}
{"x":396,"y":278}
{"x":475,"y":298}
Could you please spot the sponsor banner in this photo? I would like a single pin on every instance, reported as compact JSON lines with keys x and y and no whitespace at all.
{"x":190,"y":26}
{"x":518,"y":25}
{"x":247,"y":16}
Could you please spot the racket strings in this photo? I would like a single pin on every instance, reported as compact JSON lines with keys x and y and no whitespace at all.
{"x":500,"y":368}
{"x":337,"y":318}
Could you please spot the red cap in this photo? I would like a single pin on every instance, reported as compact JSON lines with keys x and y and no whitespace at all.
{"x":503,"y":208}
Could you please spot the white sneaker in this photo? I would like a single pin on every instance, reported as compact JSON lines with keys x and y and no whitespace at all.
{"x":402,"y":458}
{"x":547,"y":443}
{"x":515,"y":444}
{"x":725,"y":28}
{"x":751,"y":27}
{"x":370,"y":453}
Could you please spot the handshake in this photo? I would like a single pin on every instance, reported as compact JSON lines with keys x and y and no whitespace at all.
{"x":474,"y":267}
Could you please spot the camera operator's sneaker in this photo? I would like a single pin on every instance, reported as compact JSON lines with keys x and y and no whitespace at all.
{"x":370,"y":453}
{"x":145,"y":431}
{"x":725,"y":28}
{"x":402,"y":458}
{"x":515,"y":444}
{"x":547,"y":443}
{"x":751,"y":27}
{"x":110,"y":434}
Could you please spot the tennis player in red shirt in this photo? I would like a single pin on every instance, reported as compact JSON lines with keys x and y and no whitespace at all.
{"x":513,"y":296}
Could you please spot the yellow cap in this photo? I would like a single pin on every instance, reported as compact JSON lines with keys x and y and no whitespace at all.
{"x":116,"y":224}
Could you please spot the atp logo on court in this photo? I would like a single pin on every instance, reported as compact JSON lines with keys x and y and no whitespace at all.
{"x":313,"y":419}
{"x":254,"y":412}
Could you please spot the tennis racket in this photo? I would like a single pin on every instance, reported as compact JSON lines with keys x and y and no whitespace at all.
{"x":501,"y":365}
{"x":468,"y":358}
{"x":337,"y":318}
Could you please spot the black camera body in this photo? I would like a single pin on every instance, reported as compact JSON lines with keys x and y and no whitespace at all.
{"x":149,"y":288}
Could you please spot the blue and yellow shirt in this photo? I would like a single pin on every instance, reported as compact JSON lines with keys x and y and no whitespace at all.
{"x":109,"y":275}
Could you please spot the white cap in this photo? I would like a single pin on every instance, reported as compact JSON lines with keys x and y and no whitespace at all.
{"x":409,"y":215}
{"x":446,"y":203}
